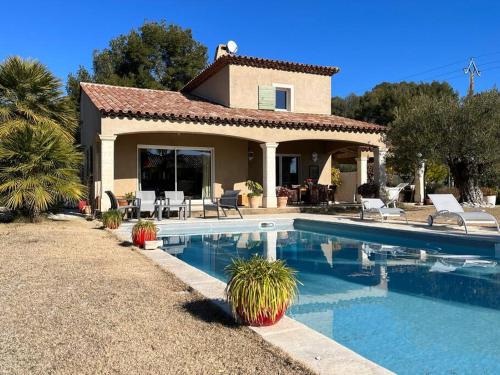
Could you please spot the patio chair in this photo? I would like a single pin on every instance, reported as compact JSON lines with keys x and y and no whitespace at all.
{"x":176,"y":201}
{"x":370,"y":206}
{"x":392,"y":193}
{"x":146,"y":200}
{"x":448,"y":208}
{"x":115,"y":206}
{"x":228,"y":200}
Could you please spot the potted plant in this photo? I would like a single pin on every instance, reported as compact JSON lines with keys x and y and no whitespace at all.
{"x":256,"y":191}
{"x":336,"y":182}
{"x":81,"y":205}
{"x":283,"y":194}
{"x":112,"y":219}
{"x":129,"y":197}
{"x":143,"y":231}
{"x":260,"y":291}
{"x":490,"y":195}
{"x":368,"y":190}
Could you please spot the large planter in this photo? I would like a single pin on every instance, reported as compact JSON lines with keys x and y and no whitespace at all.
{"x":122,"y":202}
{"x":491,"y":200}
{"x":282,"y":201}
{"x":143,"y":235}
{"x":263,"y":320}
{"x":81,"y":205}
{"x":254,"y":201}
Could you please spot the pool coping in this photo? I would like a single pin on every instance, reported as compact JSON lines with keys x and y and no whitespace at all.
{"x":309,"y":347}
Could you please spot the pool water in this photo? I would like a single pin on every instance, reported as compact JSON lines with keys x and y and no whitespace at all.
{"x":412,"y":310}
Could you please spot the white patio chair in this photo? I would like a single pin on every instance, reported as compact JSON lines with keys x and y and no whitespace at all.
{"x":370,"y":206}
{"x":448,"y":208}
{"x":146,"y":200}
{"x":177,"y":201}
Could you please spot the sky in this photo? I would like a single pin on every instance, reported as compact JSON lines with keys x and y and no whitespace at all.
{"x":371,"y":41}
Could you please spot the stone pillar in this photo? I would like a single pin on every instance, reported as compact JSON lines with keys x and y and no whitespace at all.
{"x":361,"y":170}
{"x":420,"y":184}
{"x":379,"y":167}
{"x":270,"y":244}
{"x":107,"y":169}
{"x":269,"y":174}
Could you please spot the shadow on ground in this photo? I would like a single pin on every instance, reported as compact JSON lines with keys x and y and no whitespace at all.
{"x":206,"y":311}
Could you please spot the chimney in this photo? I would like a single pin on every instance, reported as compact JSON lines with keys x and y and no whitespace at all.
{"x":220,"y":51}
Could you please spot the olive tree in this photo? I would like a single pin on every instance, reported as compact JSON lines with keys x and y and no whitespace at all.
{"x":461,"y":133}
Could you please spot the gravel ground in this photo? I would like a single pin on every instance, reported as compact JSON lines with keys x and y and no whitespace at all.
{"x":74,"y":300}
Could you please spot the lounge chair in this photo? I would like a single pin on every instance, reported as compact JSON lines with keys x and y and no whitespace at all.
{"x":392,"y":193}
{"x":146,"y":200}
{"x":448,"y":208}
{"x":370,"y":206}
{"x":115,"y":206}
{"x":228,"y":200}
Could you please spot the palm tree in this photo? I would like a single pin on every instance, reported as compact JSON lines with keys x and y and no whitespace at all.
{"x":31,"y":94}
{"x":38,"y":168}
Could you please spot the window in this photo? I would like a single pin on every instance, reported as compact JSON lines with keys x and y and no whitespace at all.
{"x":176,"y":169}
{"x":283,"y":97}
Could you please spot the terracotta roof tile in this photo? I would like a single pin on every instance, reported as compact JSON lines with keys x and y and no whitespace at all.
{"x":145,"y":103}
{"x":258,"y":63}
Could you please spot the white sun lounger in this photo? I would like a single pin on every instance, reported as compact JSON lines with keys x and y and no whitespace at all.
{"x":448,"y":208}
{"x":370,"y":206}
{"x":392,"y":193}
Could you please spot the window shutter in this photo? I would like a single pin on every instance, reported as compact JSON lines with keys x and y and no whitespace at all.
{"x":267,"y":97}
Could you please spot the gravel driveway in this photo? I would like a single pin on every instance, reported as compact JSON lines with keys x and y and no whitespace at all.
{"x":74,"y":300}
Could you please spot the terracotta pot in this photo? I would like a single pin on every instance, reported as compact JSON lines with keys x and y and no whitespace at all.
{"x":427,"y":201}
{"x":262,"y":319}
{"x":282,"y":201}
{"x":254,"y":201}
{"x":122,"y":202}
{"x":142,"y":236}
{"x":87,"y":210}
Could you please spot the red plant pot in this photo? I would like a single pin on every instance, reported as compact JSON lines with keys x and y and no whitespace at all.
{"x":142,"y":236}
{"x":262,"y":319}
{"x":81,"y":205}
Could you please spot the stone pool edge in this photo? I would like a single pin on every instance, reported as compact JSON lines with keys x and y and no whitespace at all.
{"x":316,"y":351}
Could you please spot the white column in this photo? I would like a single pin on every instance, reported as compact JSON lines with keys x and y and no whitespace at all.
{"x":271,"y":239}
{"x":420,"y":184}
{"x":269,"y":174}
{"x":379,"y":172}
{"x":107,"y":169}
{"x":361,"y":170}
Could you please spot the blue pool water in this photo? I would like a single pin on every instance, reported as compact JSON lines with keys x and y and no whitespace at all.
{"x":413,"y":310}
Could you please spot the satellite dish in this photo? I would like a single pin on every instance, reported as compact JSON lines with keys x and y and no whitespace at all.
{"x":232,"y":47}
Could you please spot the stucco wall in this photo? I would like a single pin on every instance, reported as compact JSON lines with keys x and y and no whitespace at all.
{"x":90,"y":121}
{"x":347,"y":190}
{"x":231,"y":160}
{"x":216,"y":88}
{"x":312,"y":92}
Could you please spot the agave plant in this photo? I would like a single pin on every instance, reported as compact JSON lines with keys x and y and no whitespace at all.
{"x":259,"y":290}
{"x":112,"y":219}
{"x":143,"y":231}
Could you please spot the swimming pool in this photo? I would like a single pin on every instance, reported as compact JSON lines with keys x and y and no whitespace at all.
{"x":410,"y":304}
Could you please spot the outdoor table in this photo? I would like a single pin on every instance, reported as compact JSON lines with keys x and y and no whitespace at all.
{"x":163,"y":205}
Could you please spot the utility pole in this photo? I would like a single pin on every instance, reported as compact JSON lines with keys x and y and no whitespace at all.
{"x":472,"y":70}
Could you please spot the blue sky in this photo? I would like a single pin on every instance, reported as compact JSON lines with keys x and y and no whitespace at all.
{"x":371,"y":41}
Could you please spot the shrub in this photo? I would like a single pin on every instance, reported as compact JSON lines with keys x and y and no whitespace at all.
{"x":336,"y":177}
{"x":255,"y":188}
{"x":488,"y":191}
{"x":283,"y":192}
{"x":448,"y":190}
{"x":260,"y":291}
{"x":112,"y":219}
{"x":369,"y":190}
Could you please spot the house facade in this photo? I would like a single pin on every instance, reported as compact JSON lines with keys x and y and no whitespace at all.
{"x":241,"y":118}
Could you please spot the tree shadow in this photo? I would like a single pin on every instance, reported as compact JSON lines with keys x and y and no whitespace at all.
{"x":208,"y":312}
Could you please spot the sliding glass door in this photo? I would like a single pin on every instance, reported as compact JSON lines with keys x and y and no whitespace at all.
{"x":176,"y":169}
{"x":287,"y":170}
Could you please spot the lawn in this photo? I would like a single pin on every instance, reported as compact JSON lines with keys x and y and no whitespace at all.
{"x":74,"y":300}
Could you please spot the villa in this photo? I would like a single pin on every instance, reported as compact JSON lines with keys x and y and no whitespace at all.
{"x":241,"y":118}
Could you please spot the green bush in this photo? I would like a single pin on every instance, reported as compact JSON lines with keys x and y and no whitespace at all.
{"x":259,"y":287}
{"x":255,"y":188}
{"x":112,"y":219}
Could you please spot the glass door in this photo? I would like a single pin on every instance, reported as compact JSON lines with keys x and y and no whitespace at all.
{"x":287,"y":170}
{"x":176,"y":169}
